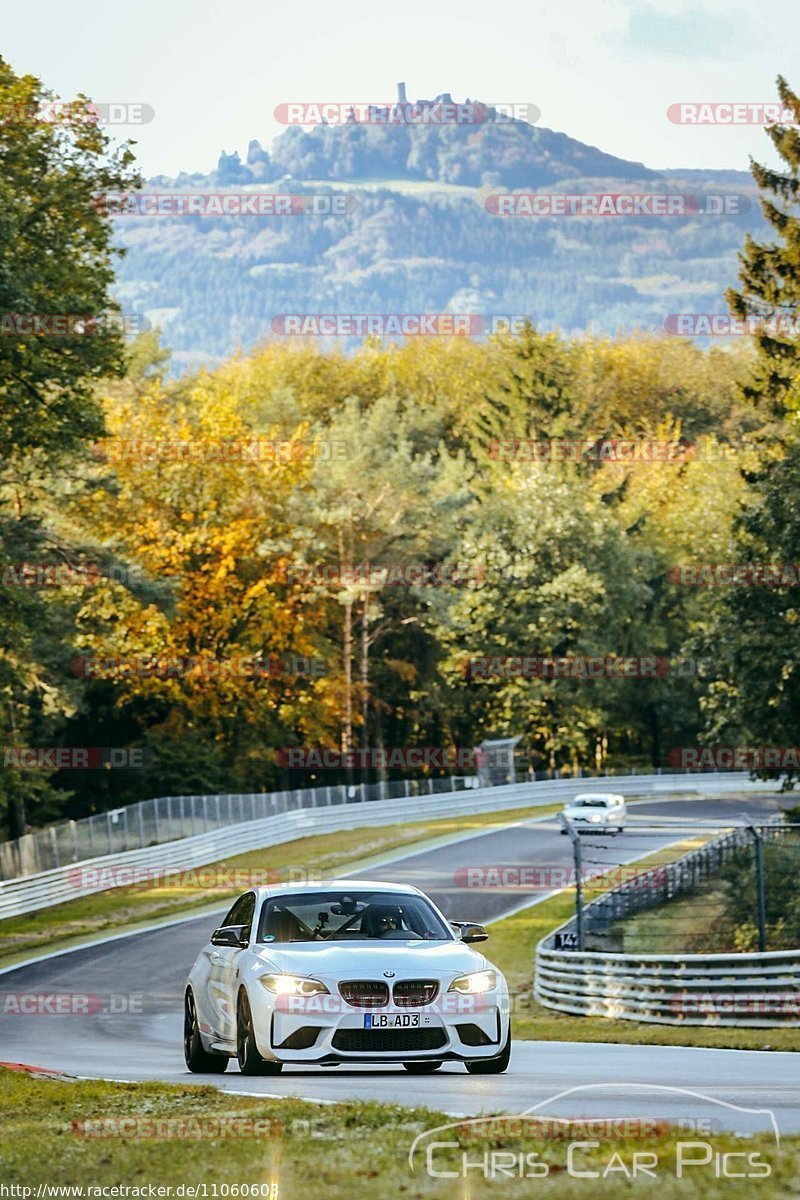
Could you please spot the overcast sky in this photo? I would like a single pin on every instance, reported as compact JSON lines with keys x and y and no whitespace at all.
{"x":603,"y":71}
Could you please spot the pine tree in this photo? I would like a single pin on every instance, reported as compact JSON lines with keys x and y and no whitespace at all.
{"x":770,"y":271}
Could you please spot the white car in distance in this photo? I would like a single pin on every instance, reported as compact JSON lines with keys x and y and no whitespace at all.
{"x":344,"y":972}
{"x":600,"y":812}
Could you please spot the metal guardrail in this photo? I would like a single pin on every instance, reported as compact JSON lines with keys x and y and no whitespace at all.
{"x":86,"y":877}
{"x":70,"y":881}
{"x":167,"y":818}
{"x":756,"y":989}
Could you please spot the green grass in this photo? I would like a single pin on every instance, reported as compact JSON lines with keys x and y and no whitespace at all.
{"x":335,"y":1151}
{"x":86,"y":917}
{"x":697,"y":924}
{"x":512,"y":946}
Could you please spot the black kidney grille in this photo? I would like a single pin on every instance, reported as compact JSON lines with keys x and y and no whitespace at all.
{"x":414,"y":993}
{"x":365,"y":993}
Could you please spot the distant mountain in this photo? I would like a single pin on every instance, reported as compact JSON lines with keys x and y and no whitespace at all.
{"x":488,"y":152}
{"x":417,"y":236}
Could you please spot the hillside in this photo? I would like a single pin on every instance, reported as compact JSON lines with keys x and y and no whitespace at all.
{"x":416,"y":237}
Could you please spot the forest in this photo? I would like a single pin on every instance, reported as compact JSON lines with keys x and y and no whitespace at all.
{"x":416,"y":545}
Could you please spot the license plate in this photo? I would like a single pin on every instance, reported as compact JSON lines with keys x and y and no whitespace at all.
{"x":391,"y":1020}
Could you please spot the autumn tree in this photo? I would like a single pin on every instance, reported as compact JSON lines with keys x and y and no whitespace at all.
{"x":58,"y":338}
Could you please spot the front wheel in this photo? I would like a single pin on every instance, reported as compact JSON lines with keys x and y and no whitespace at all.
{"x":198,"y":1059}
{"x":250,"y":1061}
{"x":492,"y":1066}
{"x":422,"y":1068}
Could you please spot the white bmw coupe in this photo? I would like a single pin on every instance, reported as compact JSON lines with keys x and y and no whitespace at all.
{"x":344,"y":972}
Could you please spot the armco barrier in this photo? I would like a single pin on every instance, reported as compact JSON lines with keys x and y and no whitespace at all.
{"x":757,"y":990}
{"x":167,"y":818}
{"x":32,"y":892}
{"x":760,"y":990}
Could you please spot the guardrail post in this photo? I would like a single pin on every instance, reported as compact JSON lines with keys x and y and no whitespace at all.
{"x":578,"y":862}
{"x":758,"y":847}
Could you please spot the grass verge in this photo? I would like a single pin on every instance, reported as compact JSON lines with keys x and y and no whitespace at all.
{"x":337,"y":1151}
{"x":512,"y":946}
{"x":79,"y":920}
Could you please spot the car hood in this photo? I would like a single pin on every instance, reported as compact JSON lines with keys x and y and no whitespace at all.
{"x":354,"y":960}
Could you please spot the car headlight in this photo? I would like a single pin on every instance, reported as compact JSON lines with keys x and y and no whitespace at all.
{"x":595,"y":818}
{"x":293,"y":985}
{"x":476,"y":981}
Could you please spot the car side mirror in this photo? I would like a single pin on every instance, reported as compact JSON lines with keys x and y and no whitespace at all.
{"x":230,"y":935}
{"x":470,"y":932}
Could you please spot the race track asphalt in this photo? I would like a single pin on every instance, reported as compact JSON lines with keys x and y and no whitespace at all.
{"x":148,"y":971}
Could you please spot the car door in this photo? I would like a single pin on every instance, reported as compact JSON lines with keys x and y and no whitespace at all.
{"x":224,"y":968}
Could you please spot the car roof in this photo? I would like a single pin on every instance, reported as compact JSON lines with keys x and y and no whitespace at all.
{"x":336,"y":885}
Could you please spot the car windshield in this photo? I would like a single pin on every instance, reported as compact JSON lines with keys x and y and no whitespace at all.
{"x":591,"y":802}
{"x":350,"y":916}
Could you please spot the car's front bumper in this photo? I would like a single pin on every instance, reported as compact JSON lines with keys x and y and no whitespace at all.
{"x":454,"y":1028}
{"x":583,"y":823}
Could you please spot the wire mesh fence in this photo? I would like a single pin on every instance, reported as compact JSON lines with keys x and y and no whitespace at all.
{"x":736,"y":893}
{"x":167,"y":818}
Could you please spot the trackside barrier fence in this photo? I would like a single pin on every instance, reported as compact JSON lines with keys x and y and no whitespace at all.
{"x":42,"y":889}
{"x":761,"y":990}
